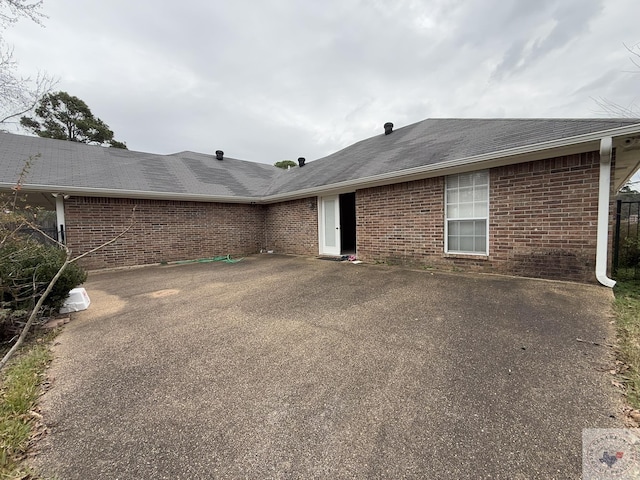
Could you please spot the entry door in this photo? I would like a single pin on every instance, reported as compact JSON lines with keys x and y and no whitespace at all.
{"x":330,"y":225}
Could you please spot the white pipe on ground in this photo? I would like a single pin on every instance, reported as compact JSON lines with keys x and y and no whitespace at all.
{"x":602,"y":246}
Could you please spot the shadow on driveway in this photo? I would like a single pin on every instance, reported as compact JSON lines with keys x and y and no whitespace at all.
{"x":286,"y":367}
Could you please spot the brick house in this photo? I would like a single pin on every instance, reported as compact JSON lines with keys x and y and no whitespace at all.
{"x":527,"y":197}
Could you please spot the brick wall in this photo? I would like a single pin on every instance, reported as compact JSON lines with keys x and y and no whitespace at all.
{"x":401,"y":223}
{"x":162,"y":231}
{"x":292,"y":227}
{"x":544,"y":216}
{"x":542,"y":221}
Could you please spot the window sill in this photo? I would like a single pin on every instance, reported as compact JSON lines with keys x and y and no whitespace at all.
{"x":469,"y":256}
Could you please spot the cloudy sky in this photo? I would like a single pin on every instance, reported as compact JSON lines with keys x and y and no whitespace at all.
{"x":277,"y":79}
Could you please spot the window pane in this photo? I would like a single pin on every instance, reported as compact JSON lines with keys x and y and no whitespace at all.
{"x":452,"y":196}
{"x":466,"y":194}
{"x":481,"y":244}
{"x":480,"y":194}
{"x":480,"y":210}
{"x":466,"y":244}
{"x":467,"y":228}
{"x":454,"y":245}
{"x":481,"y":228}
{"x":465,"y":210}
{"x":480,"y":178}
{"x":454,"y":228}
{"x":452,"y":211}
{"x":330,"y":223}
{"x":465,"y":180}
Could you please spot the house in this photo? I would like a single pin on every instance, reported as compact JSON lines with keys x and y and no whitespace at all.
{"x":529,"y":197}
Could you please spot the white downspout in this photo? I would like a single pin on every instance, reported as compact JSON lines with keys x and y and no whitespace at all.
{"x":606,"y":145}
{"x":61,"y":226}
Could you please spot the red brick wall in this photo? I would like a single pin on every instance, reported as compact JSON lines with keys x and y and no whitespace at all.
{"x":401,"y":223}
{"x":544,"y":216}
{"x":542,"y":221}
{"x":292,"y":227}
{"x":162,"y":230}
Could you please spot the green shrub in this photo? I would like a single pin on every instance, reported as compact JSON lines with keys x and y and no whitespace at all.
{"x":630,"y":256}
{"x":26,"y":268}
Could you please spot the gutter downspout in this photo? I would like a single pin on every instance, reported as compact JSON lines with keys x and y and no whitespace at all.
{"x":606,"y":146}
{"x":61,"y":224}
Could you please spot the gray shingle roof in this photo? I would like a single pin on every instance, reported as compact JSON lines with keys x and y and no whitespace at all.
{"x":69,"y":164}
{"x":435,"y":141}
{"x":63,"y":164}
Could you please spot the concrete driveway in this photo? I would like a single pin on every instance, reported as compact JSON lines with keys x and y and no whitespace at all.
{"x":285,"y":367}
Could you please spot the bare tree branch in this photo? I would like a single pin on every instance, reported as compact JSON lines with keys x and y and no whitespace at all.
{"x":10,"y":227}
{"x":18,"y":94}
{"x":114,"y":239}
{"x":34,"y":313}
{"x":635,"y":51}
{"x":11,"y":233}
{"x":12,"y":10}
{"x":68,"y":261}
{"x":614,"y":109}
{"x":29,"y":97}
{"x":66,"y":249}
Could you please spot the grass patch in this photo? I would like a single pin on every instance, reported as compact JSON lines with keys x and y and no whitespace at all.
{"x":627,"y":306}
{"x":20,"y":387}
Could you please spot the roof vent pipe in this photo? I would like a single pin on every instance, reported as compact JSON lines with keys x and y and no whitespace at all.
{"x":219,"y":154}
{"x":301,"y":161}
{"x":388,"y":128}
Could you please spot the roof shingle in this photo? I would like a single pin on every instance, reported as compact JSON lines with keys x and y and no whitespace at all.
{"x":61,"y":164}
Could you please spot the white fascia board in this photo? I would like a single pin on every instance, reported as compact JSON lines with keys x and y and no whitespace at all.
{"x":136,"y":194}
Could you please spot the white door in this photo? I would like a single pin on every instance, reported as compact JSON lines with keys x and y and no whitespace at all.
{"x":329,"y":225}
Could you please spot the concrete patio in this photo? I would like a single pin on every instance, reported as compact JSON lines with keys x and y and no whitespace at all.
{"x":288,"y":367}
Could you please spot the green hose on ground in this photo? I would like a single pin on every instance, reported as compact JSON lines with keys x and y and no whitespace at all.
{"x":225,"y":259}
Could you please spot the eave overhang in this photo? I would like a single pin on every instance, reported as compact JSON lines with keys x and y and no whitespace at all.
{"x":137,"y":194}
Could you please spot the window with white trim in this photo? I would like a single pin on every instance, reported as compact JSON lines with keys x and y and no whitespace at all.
{"x":467,"y":213}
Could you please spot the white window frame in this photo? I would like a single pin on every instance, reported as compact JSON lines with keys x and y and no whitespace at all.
{"x":477,"y":218}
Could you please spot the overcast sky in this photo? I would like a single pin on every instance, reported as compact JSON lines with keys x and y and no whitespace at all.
{"x":275,"y":80}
